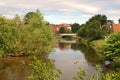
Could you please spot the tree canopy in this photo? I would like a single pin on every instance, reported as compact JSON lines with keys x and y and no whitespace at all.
{"x":18,"y":41}
{"x":93,"y":29}
{"x":75,"y":27}
{"x":28,"y":16}
{"x":62,"y":30}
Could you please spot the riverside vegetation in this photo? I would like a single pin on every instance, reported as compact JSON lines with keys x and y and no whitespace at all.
{"x":25,"y":37}
{"x":28,"y":37}
{"x":92,"y":33}
{"x":110,"y":49}
{"x":33,"y":36}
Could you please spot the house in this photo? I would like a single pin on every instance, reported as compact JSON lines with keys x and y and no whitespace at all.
{"x":113,"y":27}
{"x":116,"y":27}
{"x":56,"y":28}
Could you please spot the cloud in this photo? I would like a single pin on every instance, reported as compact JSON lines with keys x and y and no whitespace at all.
{"x":115,"y":12}
{"x":8,"y":16}
{"x":49,"y":5}
{"x":61,"y":9}
{"x":66,"y":10}
{"x":114,"y":18}
{"x":2,"y":3}
{"x":81,"y":7}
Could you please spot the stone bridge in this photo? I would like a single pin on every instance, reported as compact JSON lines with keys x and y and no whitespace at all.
{"x":73,"y":35}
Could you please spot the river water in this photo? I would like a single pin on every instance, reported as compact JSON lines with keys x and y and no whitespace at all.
{"x":66,"y":57}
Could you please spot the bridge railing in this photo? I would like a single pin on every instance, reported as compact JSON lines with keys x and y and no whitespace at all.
{"x":68,"y":34}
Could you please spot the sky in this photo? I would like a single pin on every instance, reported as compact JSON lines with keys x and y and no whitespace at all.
{"x":62,"y":11}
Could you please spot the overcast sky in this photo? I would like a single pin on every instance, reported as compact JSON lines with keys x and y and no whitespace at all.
{"x":62,"y":11}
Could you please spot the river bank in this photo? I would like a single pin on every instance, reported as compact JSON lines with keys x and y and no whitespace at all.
{"x":96,"y":45}
{"x":67,"y":57}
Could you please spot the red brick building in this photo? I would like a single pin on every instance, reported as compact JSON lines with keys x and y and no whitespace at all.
{"x":113,"y":27}
{"x":56,"y":28}
{"x":116,"y":27}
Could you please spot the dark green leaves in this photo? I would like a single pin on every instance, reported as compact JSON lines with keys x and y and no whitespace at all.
{"x":112,"y":47}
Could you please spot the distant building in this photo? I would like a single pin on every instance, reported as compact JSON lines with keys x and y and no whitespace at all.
{"x":113,"y":27}
{"x":110,"y":24}
{"x":116,"y":27}
{"x":56,"y":28}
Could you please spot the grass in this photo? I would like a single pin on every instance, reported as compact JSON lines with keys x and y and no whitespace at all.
{"x":96,"y":45}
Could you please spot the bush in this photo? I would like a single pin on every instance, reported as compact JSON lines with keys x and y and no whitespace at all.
{"x":111,"y":49}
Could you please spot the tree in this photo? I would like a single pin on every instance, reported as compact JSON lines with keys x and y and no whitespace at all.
{"x":18,"y":42}
{"x":62,"y":30}
{"x":111,"y":49}
{"x":93,"y":29}
{"x":101,"y":18}
{"x":8,"y":35}
{"x":38,"y":33}
{"x":28,"y":16}
{"x":119,"y":21}
{"x":68,"y":31}
{"x":75,"y":27}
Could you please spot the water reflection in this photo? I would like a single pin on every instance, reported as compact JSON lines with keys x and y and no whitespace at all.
{"x":66,"y":57}
{"x":69,"y":57}
{"x":89,"y":53}
{"x":14,"y":69}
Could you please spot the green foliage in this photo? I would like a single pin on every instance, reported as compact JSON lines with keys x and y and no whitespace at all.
{"x":75,"y":27}
{"x":8,"y":36}
{"x":93,"y":29}
{"x":62,"y":30}
{"x":34,"y":37}
{"x":111,"y":49}
{"x":80,"y":74}
{"x":41,"y":40}
{"x":116,"y":63}
{"x":17,"y":21}
{"x":37,"y":33}
{"x":91,"y":33}
{"x":28,"y":16}
{"x":68,"y":31}
{"x":43,"y":71}
{"x":111,"y":75}
{"x":101,"y":18}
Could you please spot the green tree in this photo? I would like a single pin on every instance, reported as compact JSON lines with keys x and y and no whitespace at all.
{"x":18,"y":42}
{"x":8,"y":35}
{"x":93,"y":29}
{"x":75,"y":27}
{"x":28,"y":16}
{"x":68,"y":31}
{"x":62,"y":30}
{"x":83,"y":32}
{"x":101,"y":18}
{"x":39,"y":34}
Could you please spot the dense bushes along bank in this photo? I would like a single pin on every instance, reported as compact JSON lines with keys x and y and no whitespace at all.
{"x":29,"y":36}
{"x":110,"y":50}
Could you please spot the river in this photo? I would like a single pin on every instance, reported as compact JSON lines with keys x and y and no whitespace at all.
{"x":66,"y":57}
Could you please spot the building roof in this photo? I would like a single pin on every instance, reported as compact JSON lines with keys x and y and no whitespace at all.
{"x":62,"y":25}
{"x":116,"y":27}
